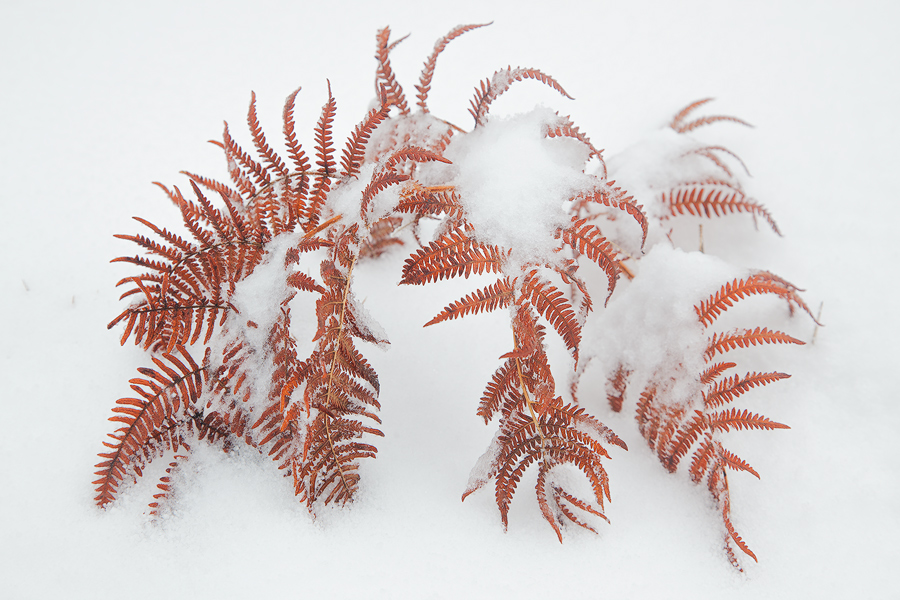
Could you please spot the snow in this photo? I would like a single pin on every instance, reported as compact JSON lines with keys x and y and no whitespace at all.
{"x":104,"y":98}
{"x":514,"y":182}
{"x":658,"y":303}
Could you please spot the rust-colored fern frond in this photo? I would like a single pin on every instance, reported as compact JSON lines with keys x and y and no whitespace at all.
{"x":609,"y":195}
{"x":566,"y":128}
{"x":552,"y":304}
{"x":452,"y":255}
{"x":424,"y":86}
{"x":272,"y":159}
{"x":384,"y":76}
{"x":707,"y":199}
{"x":355,"y":151}
{"x":730,"y":388}
{"x":617,"y":384}
{"x":490,"y":89}
{"x":295,"y":150}
{"x":678,"y":121}
{"x":338,"y":386}
{"x":677,"y":427}
{"x":181,"y":297}
{"x":153,"y":421}
{"x":759,"y":283}
{"x":432,"y":200}
{"x":496,"y":295}
{"x":586,"y":239}
{"x":710,"y":152}
{"x":560,"y":438}
{"x":325,"y":162}
{"x":743,"y":338}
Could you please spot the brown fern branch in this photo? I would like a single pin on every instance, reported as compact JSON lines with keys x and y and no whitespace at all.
{"x":325,"y":154}
{"x":720,"y":343}
{"x":759,"y":283}
{"x":259,"y":140}
{"x":490,"y":89}
{"x":384,"y":76}
{"x":162,"y":396}
{"x":586,"y":239}
{"x":707,"y":199}
{"x":451,"y":255}
{"x":425,"y":78}
{"x":496,"y":295}
{"x":734,"y":418}
{"x":680,"y":126}
{"x":355,"y":151}
{"x":730,"y":388}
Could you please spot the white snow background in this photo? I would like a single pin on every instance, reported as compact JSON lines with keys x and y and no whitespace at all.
{"x":99,"y":99}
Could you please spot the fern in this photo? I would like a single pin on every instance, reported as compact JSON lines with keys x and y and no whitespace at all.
{"x":291,"y":223}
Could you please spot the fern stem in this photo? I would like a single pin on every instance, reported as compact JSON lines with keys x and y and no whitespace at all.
{"x":528,"y":402}
{"x":331,"y":375}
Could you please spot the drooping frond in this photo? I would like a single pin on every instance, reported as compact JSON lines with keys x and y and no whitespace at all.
{"x":490,"y":89}
{"x":181,"y":297}
{"x":562,"y":436}
{"x":679,"y":125}
{"x":165,"y":394}
{"x":613,"y":197}
{"x":496,"y":295}
{"x":566,"y":128}
{"x":424,"y":85}
{"x":503,"y":391}
{"x":552,"y":304}
{"x":338,"y":383}
{"x":381,"y":180}
{"x":705,"y":199}
{"x":587,"y":240}
{"x":436,"y":200}
{"x":449,"y":256}
{"x":758,"y":283}
{"x":709,"y":152}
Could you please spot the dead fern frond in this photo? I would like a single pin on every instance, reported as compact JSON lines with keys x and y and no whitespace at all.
{"x":496,"y":295}
{"x":451,"y":255}
{"x":167,"y":394}
{"x":759,"y":283}
{"x":743,"y":338}
{"x":679,"y":125}
{"x":490,"y":89}
{"x":384,"y":76}
{"x":716,"y":198}
{"x":424,"y":86}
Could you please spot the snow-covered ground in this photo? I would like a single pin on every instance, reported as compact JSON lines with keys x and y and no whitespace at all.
{"x":102,"y":98}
